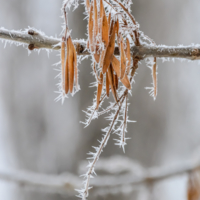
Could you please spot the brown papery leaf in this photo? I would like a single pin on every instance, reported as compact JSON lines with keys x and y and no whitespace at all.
{"x":109,"y":51}
{"x":90,"y":29}
{"x":75,"y":67}
{"x":154,"y":73}
{"x":71,"y":64}
{"x":109,"y":19}
{"x":123,"y":59}
{"x":105,"y":30}
{"x":116,"y":66}
{"x":95,"y":22}
{"x":116,"y":82}
{"x":111,"y":81}
{"x":63,"y":43}
{"x":67,"y":70}
{"x":107,"y":85}
{"x":87,"y":3}
{"x":128,"y":55}
{"x":99,"y":90}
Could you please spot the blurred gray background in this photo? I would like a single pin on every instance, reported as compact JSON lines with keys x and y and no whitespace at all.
{"x":40,"y":135}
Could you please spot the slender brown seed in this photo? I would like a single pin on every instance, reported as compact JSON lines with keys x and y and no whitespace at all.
{"x":67,"y":70}
{"x":107,"y":85}
{"x":111,"y":82}
{"x":90,"y":29}
{"x":102,"y":58}
{"x":123,"y":59}
{"x":75,"y":67}
{"x":109,"y":19}
{"x":63,"y":43}
{"x":71,"y":65}
{"x":99,"y":90}
{"x":105,"y":30}
{"x":116,"y":82}
{"x":87,"y":3}
{"x":117,"y":27}
{"x":116,"y":66}
{"x":95,"y":33}
{"x":109,"y":51}
{"x":154,"y":73}
{"x":128,"y":55}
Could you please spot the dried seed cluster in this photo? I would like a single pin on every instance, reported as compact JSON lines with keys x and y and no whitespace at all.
{"x":110,"y":24}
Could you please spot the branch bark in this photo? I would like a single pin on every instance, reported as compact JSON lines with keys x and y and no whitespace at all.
{"x":42,"y":41}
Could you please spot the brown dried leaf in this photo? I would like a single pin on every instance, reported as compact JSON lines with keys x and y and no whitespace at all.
{"x":63,"y":61}
{"x":102,"y":58}
{"x":95,"y":21}
{"x":111,"y":82}
{"x":90,"y":29}
{"x":116,"y":65}
{"x":117,"y":22}
{"x":67,"y":70}
{"x":105,"y":30}
{"x":87,"y":3}
{"x":116,"y":82}
{"x":154,"y":74}
{"x":123,"y":59}
{"x":109,"y":51}
{"x":128,"y":55}
{"x":75,"y":67}
{"x":99,"y":90}
{"x":71,"y":64}
{"x":107,"y":85}
{"x":109,"y":19}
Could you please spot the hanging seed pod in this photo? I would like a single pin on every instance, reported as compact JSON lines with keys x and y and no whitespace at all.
{"x":75,"y":67}
{"x":116,"y":66}
{"x":71,"y":64}
{"x":109,"y":51}
{"x":128,"y":55}
{"x":99,"y":89}
{"x":111,"y":81}
{"x":123,"y":58}
{"x":90,"y":29}
{"x":87,"y":3}
{"x":105,"y":30}
{"x":107,"y":85}
{"x":95,"y":33}
{"x":154,"y":73}
{"x":109,"y":19}
{"x":116,"y":82}
{"x":67,"y":70}
{"x":63,"y":43}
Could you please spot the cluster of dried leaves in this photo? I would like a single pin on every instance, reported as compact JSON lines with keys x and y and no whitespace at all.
{"x":110,"y":25}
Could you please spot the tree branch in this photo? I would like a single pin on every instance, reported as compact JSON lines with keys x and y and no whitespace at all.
{"x":67,"y":183}
{"x":40,"y":40}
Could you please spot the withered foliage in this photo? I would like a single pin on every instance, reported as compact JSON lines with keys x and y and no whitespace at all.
{"x":111,"y":27}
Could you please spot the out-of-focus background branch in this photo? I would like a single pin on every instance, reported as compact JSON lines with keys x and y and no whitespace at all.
{"x":44,"y":137}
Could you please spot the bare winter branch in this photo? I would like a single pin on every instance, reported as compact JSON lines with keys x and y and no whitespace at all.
{"x":42,"y":41}
{"x":66,"y":183}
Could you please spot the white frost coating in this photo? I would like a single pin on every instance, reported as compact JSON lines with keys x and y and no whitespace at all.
{"x":150,"y":63}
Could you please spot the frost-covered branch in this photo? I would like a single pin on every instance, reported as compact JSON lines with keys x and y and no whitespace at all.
{"x":40,"y":40}
{"x":66,"y":183}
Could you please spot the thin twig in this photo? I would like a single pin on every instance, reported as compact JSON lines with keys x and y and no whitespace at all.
{"x":191,"y":52}
{"x":97,"y":154}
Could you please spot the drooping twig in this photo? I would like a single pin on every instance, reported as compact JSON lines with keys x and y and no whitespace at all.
{"x":191,"y":52}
